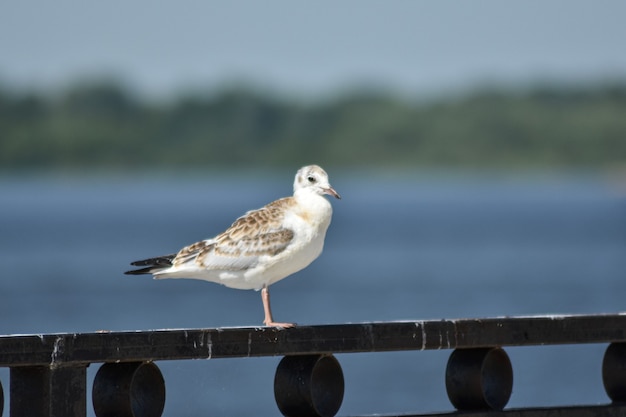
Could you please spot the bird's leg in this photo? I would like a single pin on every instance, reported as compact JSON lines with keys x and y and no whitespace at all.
{"x":269,"y":321}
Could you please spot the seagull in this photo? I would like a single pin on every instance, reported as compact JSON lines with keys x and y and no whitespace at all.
{"x":261,"y":247}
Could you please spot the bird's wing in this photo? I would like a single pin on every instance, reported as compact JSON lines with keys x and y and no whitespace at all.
{"x":255,"y":234}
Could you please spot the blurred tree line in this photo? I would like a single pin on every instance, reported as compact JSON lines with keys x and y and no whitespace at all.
{"x":102,"y":125}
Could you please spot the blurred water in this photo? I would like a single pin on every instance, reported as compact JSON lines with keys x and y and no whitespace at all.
{"x":397,"y":249}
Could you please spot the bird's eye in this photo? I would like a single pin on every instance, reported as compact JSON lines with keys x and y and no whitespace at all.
{"x":311,"y":179}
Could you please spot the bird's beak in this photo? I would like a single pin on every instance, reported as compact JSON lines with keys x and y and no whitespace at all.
{"x":331,"y":191}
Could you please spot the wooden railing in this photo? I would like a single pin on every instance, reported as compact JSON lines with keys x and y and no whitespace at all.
{"x":48,"y":372}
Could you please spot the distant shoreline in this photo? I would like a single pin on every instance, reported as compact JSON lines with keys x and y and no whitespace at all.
{"x":103,"y":127}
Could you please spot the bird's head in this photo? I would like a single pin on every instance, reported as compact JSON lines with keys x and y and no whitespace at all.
{"x":314,"y":178}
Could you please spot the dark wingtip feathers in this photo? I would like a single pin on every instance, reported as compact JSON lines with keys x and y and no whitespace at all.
{"x":140,"y":271}
{"x":151,"y":265}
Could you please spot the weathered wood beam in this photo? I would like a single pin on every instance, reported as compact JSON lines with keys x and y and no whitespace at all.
{"x":174,"y":344}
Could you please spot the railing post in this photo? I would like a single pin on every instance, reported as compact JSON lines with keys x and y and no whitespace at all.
{"x":48,"y":391}
{"x":309,"y":386}
{"x":1,"y":399}
{"x":479,"y":379}
{"x":132,"y":389}
{"x":614,"y":372}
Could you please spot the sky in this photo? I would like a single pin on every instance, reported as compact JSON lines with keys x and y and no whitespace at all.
{"x":320,"y":47}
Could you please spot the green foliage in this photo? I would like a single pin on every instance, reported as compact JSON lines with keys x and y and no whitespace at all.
{"x":103,"y":126}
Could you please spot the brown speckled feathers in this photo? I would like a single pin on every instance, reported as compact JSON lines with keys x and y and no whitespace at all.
{"x":257,"y":233}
